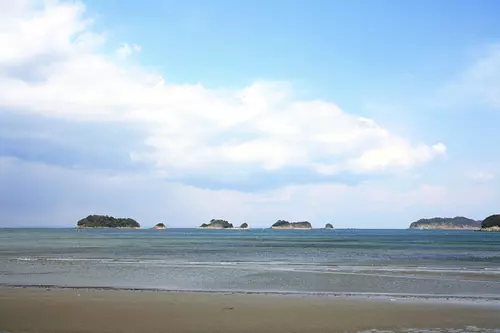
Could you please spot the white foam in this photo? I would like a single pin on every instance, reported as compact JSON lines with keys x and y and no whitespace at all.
{"x":467,"y":329}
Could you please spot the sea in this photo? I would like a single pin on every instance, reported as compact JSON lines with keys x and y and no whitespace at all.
{"x":393,"y":263}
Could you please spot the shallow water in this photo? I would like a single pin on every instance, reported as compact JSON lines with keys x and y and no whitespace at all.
{"x":416,"y":262}
{"x":468,"y":329}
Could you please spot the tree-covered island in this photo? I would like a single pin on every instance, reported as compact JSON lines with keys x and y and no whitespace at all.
{"x":105,"y":221}
{"x":216,"y":224}
{"x":282,"y":224}
{"x":491,"y":223}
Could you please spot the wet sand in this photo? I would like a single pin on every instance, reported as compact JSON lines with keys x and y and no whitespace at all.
{"x":85,"y":310}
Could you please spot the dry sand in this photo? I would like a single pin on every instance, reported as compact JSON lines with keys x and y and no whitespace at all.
{"x":83,"y":310}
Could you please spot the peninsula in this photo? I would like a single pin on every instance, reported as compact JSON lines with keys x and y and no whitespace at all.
{"x":281,"y":224}
{"x":455,"y":223}
{"x":491,"y":223}
{"x":105,"y":221}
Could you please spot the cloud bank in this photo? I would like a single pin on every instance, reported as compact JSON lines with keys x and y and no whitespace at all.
{"x":55,"y":67}
{"x":36,"y":194}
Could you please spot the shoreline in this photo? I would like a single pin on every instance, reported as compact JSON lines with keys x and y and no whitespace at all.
{"x":85,"y":310}
{"x":487,"y":300}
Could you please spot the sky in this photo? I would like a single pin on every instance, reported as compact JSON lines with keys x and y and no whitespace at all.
{"x":365,"y":114}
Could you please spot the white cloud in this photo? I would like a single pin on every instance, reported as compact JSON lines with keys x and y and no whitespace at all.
{"x":126,"y":50}
{"x":479,"y":84}
{"x":190,"y":129}
{"x":482,"y":176}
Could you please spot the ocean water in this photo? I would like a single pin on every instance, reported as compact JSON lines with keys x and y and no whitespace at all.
{"x":387,"y":262}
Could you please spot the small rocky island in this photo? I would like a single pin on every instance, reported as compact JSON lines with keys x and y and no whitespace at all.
{"x":328,"y":226}
{"x":160,"y":226}
{"x":105,"y":221}
{"x":455,"y":223}
{"x":281,"y":224}
{"x":223,"y":224}
{"x":491,"y":223}
{"x":217,"y":224}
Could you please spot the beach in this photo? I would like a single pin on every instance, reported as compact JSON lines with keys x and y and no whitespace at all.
{"x":54,"y":310}
{"x":192,"y":280}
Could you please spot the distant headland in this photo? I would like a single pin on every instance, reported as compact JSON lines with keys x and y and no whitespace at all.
{"x":448,"y":223}
{"x":282,"y":224}
{"x":491,"y":223}
{"x":105,"y":221}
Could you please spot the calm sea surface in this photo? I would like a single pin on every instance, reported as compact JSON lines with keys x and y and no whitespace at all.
{"x":325,"y":261}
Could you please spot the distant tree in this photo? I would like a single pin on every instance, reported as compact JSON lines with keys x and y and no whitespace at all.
{"x":281,"y":223}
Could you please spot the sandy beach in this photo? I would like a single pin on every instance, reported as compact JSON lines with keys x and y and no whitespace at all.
{"x":85,"y":310}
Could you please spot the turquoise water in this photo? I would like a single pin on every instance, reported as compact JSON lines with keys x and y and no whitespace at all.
{"x":409,"y":262}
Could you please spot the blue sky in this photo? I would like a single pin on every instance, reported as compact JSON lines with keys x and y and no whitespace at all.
{"x":359,"y":113}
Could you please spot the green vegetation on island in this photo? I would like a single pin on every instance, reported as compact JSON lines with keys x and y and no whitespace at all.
{"x":217,"y":224}
{"x":244,"y":226}
{"x":282,"y":224}
{"x":160,"y":226}
{"x":328,"y":226}
{"x":491,"y":223}
{"x":458,"y":222}
{"x":104,"y":221}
